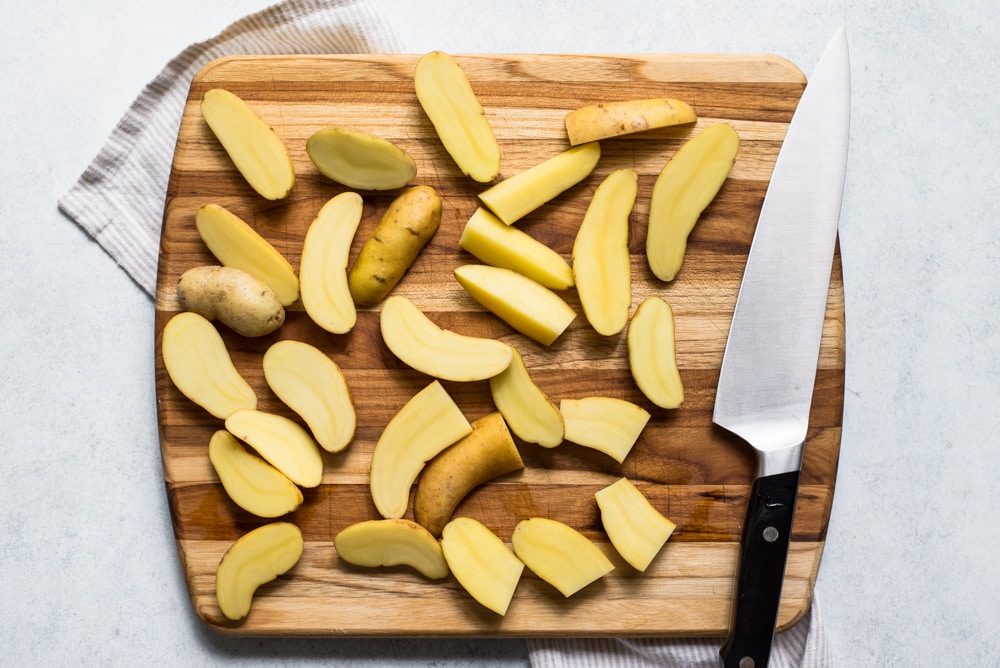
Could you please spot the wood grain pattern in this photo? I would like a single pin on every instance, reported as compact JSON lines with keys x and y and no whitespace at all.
{"x":695,"y":473}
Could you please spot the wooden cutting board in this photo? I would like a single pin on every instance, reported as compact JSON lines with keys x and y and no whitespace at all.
{"x":693,"y":472}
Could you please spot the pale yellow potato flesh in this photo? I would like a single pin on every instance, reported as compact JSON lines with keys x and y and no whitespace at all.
{"x":199,"y":365}
{"x":604,"y":120}
{"x":520,"y":194}
{"x":360,"y":160}
{"x":486,"y":453}
{"x":326,"y":295}
{"x":482,"y":563}
{"x":636,"y":529}
{"x":602,"y":268}
{"x":686,"y":185}
{"x":528,"y":411}
{"x":252,"y":483}
{"x":314,"y":386}
{"x":446,"y":96}
{"x":256,"y":151}
{"x":652,"y":353}
{"x":282,"y":442}
{"x":421,"y":344}
{"x":235,"y":244}
{"x":392,"y":542}
{"x":427,"y":424}
{"x":508,"y":247}
{"x":606,"y":424}
{"x":525,"y":305}
{"x":559,"y":554}
{"x":255,"y":559}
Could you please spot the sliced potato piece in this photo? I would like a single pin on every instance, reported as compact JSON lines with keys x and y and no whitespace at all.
{"x":506,"y":246}
{"x":252,"y":145}
{"x":517,"y":196}
{"x":199,"y":365}
{"x":652,"y":353}
{"x":312,"y":385}
{"x":486,"y":453}
{"x":392,"y":542}
{"x":528,"y":411}
{"x":446,"y":96}
{"x":326,"y":296}
{"x":602,"y":268}
{"x":255,"y":559}
{"x":614,"y":119}
{"x":405,"y":228}
{"x":252,"y":483}
{"x":528,"y":307}
{"x":360,"y":160}
{"x":606,"y":424}
{"x":636,"y":529}
{"x":442,"y":353}
{"x":559,"y":554}
{"x":282,"y":442}
{"x":427,"y":424}
{"x":235,"y":244}
{"x":481,"y":562}
{"x":686,"y":185}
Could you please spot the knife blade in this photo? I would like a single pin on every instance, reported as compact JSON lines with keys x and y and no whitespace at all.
{"x":769,"y":367}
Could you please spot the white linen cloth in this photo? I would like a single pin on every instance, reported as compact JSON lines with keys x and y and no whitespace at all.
{"x":119,"y":201}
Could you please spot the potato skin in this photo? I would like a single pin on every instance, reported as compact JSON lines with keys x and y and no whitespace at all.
{"x":408,"y":224}
{"x":233,"y":297}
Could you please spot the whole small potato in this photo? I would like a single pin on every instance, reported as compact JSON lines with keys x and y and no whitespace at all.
{"x":233,"y":297}
{"x":408,"y":224}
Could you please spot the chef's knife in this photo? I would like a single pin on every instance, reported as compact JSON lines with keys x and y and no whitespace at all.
{"x":769,"y":368}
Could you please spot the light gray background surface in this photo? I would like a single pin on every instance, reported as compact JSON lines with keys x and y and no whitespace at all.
{"x":910,"y":576}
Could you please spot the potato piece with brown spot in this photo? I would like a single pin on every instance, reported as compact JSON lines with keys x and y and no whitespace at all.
{"x":405,"y":228}
{"x":614,"y":119}
{"x":233,"y":297}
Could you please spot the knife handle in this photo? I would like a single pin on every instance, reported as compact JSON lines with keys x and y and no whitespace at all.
{"x":766,"y":536}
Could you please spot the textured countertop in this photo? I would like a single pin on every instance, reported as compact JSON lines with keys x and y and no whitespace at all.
{"x":909,"y":576}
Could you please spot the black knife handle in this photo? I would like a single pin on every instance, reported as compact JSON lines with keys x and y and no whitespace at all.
{"x":766,"y":535}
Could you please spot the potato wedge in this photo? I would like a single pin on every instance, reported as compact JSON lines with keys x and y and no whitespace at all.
{"x":360,"y":160}
{"x":446,"y":96}
{"x":559,"y":554}
{"x":481,"y":562}
{"x":686,"y":185}
{"x":312,"y":385}
{"x":508,"y":247}
{"x":602,"y":268}
{"x":405,"y":228}
{"x":252,"y":483}
{"x":199,"y":365}
{"x":614,"y":119}
{"x":235,"y":244}
{"x":325,"y":294}
{"x":636,"y":529}
{"x":652,"y":353}
{"x":518,"y":195}
{"x":392,"y":542}
{"x":528,"y":307}
{"x":528,"y":411}
{"x":282,"y":442}
{"x":427,"y":424}
{"x":418,"y":342}
{"x":258,"y":153}
{"x":606,"y":424}
{"x":255,"y":559}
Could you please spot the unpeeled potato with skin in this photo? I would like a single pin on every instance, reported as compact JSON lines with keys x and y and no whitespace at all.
{"x":488,"y":452}
{"x":233,"y":297}
{"x":408,"y":224}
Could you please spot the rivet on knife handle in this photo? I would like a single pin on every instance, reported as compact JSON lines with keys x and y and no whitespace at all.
{"x":766,"y":536}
